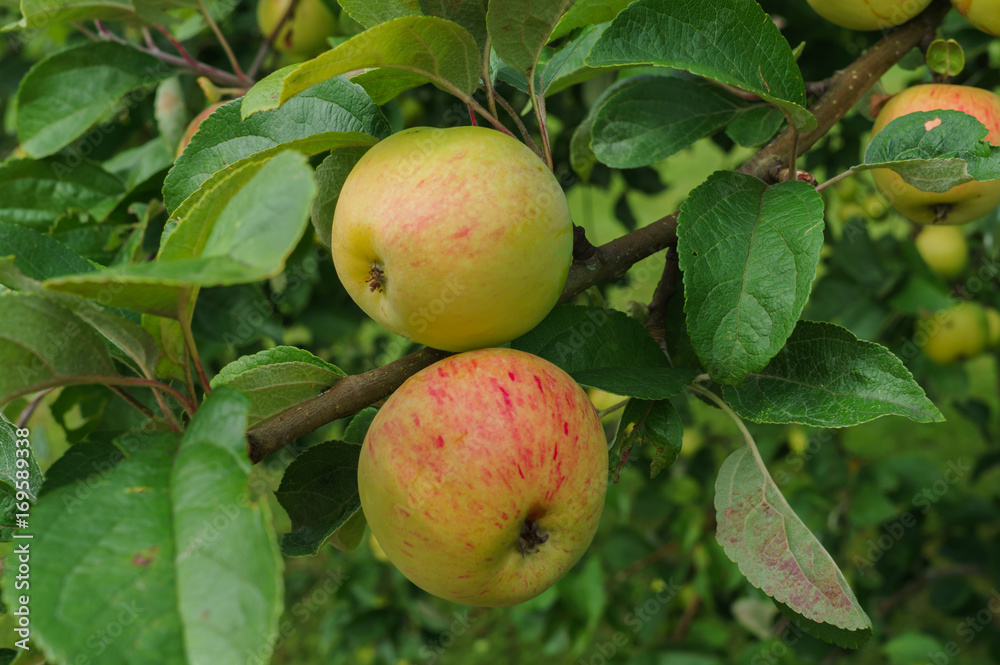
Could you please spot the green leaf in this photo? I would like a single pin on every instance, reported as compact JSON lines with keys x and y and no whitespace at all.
{"x":169,"y":338}
{"x":749,"y":254}
{"x":657,"y":117}
{"x":569,"y":66}
{"x":946,"y":57}
{"x":358,"y":429}
{"x":827,"y":377}
{"x":656,"y":423}
{"x":519,"y":29}
{"x":138,"y":165}
{"x":778,"y":554}
{"x":587,"y":12}
{"x":277,"y":379}
{"x":37,"y":193}
{"x":581,"y":153}
{"x":238,"y":229}
{"x":44,"y":345}
{"x":582,"y":338}
{"x":755,"y":126}
{"x":441,"y":51}
{"x":52,"y":106}
{"x":730,"y":41}
{"x":19,"y":473}
{"x":38,"y":256}
{"x":319,"y":491}
{"x":934,"y":150}
{"x":333,"y":114}
{"x":384,"y":83}
{"x":185,"y":558}
{"x":470,"y":14}
{"x":7,"y":656}
{"x":330,"y":176}
{"x":642,"y":382}
{"x":45,"y":14}
{"x":370,"y":14}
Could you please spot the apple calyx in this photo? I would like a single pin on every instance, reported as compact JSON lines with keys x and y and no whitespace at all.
{"x":530,"y":538}
{"x":941,"y":211}
{"x":376,"y":278}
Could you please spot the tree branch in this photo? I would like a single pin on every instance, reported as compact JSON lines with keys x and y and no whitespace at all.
{"x":353,"y":393}
{"x":846,"y":88}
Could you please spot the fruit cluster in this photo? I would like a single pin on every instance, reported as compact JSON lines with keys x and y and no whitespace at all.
{"x":483,"y":476}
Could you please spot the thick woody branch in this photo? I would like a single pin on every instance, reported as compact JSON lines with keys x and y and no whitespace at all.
{"x":846,"y":89}
{"x":353,"y":393}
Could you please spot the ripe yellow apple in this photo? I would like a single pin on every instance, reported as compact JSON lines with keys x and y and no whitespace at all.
{"x":483,"y":477}
{"x":456,"y":238}
{"x":984,"y":14}
{"x":306,"y":31}
{"x":960,"y":204}
{"x":954,"y":334}
{"x":868,"y":14}
{"x":993,"y":328}
{"x":193,"y":126}
{"x":944,"y":250}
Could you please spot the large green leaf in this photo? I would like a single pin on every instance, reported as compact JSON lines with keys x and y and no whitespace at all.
{"x":185,"y":559}
{"x":654,"y":423}
{"x":658,"y":116}
{"x":43,"y":345}
{"x":935,"y":150}
{"x":239,"y":228}
{"x":319,"y":491}
{"x":37,"y":193}
{"x":441,"y":51}
{"x":778,"y":554}
{"x":470,"y":14}
{"x":38,"y":256}
{"x":277,"y":379}
{"x":333,"y":114}
{"x":826,"y":377}
{"x":749,"y":254}
{"x":587,"y":12}
{"x":730,"y":41}
{"x":586,"y":338}
{"x":642,"y":382}
{"x":370,"y":14}
{"x":519,"y":29}
{"x":67,"y":92}
{"x":44,"y":14}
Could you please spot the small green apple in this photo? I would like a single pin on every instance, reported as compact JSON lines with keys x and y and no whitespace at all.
{"x":456,"y":238}
{"x":483,"y":476}
{"x":944,"y":250}
{"x":954,"y":334}
{"x":193,"y":126}
{"x":993,"y":328}
{"x":306,"y":31}
{"x":984,"y":14}
{"x":960,"y":204}
{"x":868,"y":14}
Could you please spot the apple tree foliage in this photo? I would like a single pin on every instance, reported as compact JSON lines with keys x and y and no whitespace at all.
{"x":166,"y":321}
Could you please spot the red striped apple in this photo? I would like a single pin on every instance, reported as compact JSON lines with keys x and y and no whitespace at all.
{"x":483,"y":477}
{"x":457,"y":238}
{"x":868,"y":14}
{"x":960,"y":204}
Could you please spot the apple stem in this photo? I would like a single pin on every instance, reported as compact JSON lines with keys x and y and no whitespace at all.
{"x":530,"y":538}
{"x":941,"y":211}
{"x":376,"y":279}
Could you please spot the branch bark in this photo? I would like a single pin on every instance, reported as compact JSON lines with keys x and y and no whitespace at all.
{"x":353,"y":393}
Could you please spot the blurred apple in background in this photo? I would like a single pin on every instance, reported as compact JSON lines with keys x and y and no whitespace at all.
{"x":944,"y":250}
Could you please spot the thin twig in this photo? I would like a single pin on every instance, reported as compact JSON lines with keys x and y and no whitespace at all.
{"x":525,"y":134}
{"x":538,"y":103}
{"x":133,"y":402}
{"x":192,"y":347}
{"x":265,"y":48}
{"x":835,"y":179}
{"x":222,"y":41}
{"x":188,"y":58}
{"x":26,"y":414}
{"x":612,"y":409}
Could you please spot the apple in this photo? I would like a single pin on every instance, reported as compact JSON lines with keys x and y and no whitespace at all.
{"x":944,"y":250}
{"x":483,"y":476}
{"x":193,"y":126}
{"x":868,"y":14}
{"x":456,"y":238}
{"x":992,"y":328}
{"x":984,"y":14}
{"x":306,"y":31}
{"x":954,"y":334}
{"x":960,"y":204}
